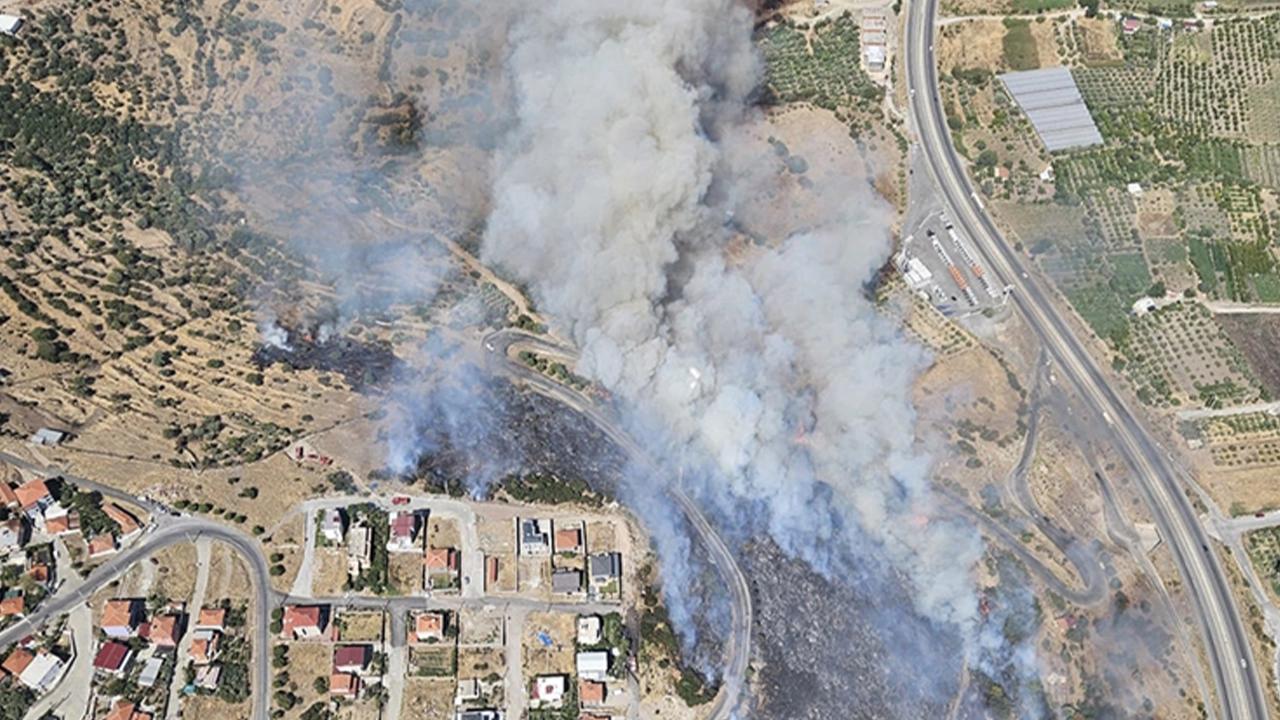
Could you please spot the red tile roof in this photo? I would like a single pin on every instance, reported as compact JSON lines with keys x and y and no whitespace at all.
{"x":118,"y":613}
{"x":125,"y":710}
{"x":350,"y":656}
{"x":17,"y":661}
{"x":403,"y":524}
{"x":63,"y":523}
{"x":102,"y":544}
{"x":164,"y":631}
{"x":111,"y":656}
{"x":441,"y":559}
{"x":570,"y":539}
{"x":11,"y":606}
{"x":127,"y":522}
{"x":202,"y":650}
{"x":31,"y":492}
{"x":430,"y":624}
{"x":592,"y":693}
{"x":212,"y":618}
{"x":7,"y":495}
{"x":344,"y":684}
{"x":299,"y":617}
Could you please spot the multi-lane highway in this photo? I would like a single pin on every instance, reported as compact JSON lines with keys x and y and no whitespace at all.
{"x":1240,"y":687}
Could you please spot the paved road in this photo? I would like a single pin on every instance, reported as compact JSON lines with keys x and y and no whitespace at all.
{"x":1240,"y":688}
{"x":171,"y":532}
{"x":1271,"y":408}
{"x":177,"y":682}
{"x":737,"y":651}
{"x":70,"y":697}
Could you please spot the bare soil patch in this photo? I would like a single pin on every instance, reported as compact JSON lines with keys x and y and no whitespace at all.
{"x":1257,"y":337}
{"x":428,"y":698}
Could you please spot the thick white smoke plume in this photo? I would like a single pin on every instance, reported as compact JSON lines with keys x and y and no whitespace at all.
{"x":770,"y":362}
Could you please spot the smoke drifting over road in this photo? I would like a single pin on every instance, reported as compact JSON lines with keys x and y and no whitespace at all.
{"x":767,"y":368}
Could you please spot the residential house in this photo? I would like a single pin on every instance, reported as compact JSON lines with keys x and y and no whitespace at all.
{"x":344,"y":685}
{"x":547,"y":692}
{"x":605,"y":567}
{"x":150,"y":672}
{"x":593,"y":665}
{"x":129,"y":525}
{"x":478,"y":715}
{"x":211,"y":619}
{"x":17,"y":661}
{"x":102,"y":545}
{"x":566,"y":581}
{"x":44,"y":436}
{"x":304,"y":622}
{"x":402,"y":531}
{"x":533,"y":540}
{"x":429,"y":627}
{"x":13,"y":605}
{"x":359,"y":549}
{"x":591,"y":692}
{"x":123,"y":709}
{"x":7,"y":496}
{"x":42,"y":672}
{"x":34,"y":497}
{"x":61,"y":522}
{"x":594,"y":716}
{"x":121,"y":617}
{"x":112,"y":658}
{"x":1130,"y":25}
{"x":204,"y":647}
{"x":351,"y":658}
{"x":207,"y":677}
{"x":441,"y":567}
{"x":490,"y":573}
{"x":468,"y":691}
{"x":166,"y":630}
{"x":589,"y":629}
{"x":332,"y":526}
{"x":13,"y":534}
{"x":40,"y":573}
{"x":568,"y":540}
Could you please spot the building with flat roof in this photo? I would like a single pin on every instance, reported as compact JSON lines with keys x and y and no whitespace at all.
{"x":1052,"y":102}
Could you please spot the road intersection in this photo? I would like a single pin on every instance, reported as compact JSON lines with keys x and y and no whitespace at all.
{"x":1235,"y":673}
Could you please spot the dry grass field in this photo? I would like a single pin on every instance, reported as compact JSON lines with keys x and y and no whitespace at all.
{"x":360,"y":626}
{"x":549,"y":643}
{"x":428,"y":698}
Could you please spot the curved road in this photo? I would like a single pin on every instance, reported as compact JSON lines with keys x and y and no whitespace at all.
{"x":1240,"y":689}
{"x":172,"y":532}
{"x":738,"y":644}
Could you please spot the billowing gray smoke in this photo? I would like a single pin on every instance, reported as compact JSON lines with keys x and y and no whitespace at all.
{"x":610,"y":202}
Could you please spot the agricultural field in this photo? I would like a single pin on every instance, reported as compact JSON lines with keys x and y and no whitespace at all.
{"x":1178,"y":356}
{"x":437,"y":661}
{"x":1257,"y":337}
{"x":820,"y":65}
{"x":1263,"y":547}
{"x":1179,"y":202}
{"x":1245,"y":440}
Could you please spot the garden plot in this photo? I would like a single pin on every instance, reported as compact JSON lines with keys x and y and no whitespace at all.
{"x":1209,"y":80}
{"x":1095,"y":39}
{"x":1262,"y":164}
{"x":1264,"y":550}
{"x":1112,"y":214}
{"x":821,"y":65}
{"x":1179,"y":356}
{"x":1241,"y":441}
